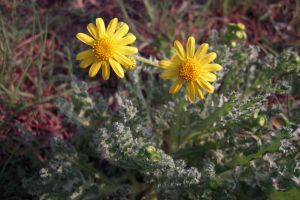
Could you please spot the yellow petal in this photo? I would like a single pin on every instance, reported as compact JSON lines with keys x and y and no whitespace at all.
{"x":101,"y":27}
{"x":126,"y":50}
{"x":176,"y":86}
{"x":199,"y":90}
{"x":85,"y":54}
{"x":85,"y":63}
{"x":93,"y":30}
{"x":190,"y":47}
{"x":123,"y":59}
{"x":169,"y":74}
{"x":105,"y":70}
{"x":168,"y":65}
{"x":179,"y":50}
{"x":116,"y":67}
{"x":190,"y":90}
{"x":175,"y":59}
{"x":125,"y":40}
{"x":207,"y":58}
{"x":95,"y":68}
{"x":208,"y":76}
{"x":121,"y":32}
{"x":201,"y":51}
{"x":205,"y":85}
{"x":211,"y":67}
{"x":85,"y":39}
{"x":111,"y":27}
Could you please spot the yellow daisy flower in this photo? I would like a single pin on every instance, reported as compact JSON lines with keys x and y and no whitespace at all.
{"x":195,"y":69}
{"x":108,"y":48}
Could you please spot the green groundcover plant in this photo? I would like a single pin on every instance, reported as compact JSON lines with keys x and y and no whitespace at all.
{"x":203,"y":141}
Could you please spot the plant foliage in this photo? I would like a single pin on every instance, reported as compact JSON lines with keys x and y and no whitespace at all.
{"x":159,"y":145}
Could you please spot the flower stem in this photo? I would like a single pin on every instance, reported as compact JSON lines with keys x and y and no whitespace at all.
{"x":194,"y":134}
{"x":92,"y":171}
{"x":146,"y":61}
{"x":176,"y":124}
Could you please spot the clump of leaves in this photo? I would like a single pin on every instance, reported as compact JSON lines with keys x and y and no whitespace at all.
{"x":222,"y":147}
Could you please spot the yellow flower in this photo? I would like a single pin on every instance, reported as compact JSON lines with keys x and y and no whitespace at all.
{"x":108,"y":48}
{"x":133,"y":63}
{"x":194,"y":69}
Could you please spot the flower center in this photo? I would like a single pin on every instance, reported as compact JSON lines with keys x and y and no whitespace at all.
{"x":104,"y":48}
{"x":189,"y":69}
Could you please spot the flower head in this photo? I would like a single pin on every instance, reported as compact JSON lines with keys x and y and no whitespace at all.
{"x":133,"y":63}
{"x":108,"y":48}
{"x":192,"y":68}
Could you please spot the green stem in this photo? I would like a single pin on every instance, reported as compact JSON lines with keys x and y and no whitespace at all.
{"x":256,"y":137}
{"x":207,"y":100}
{"x":208,"y":121}
{"x":245,"y":95}
{"x":159,"y":135}
{"x":226,"y":83}
{"x":92,"y":171}
{"x":146,"y":61}
{"x":175,"y":127}
{"x":288,"y":100}
{"x":256,"y":83}
{"x":191,"y":135}
{"x":173,"y":131}
{"x":137,"y":187}
{"x":173,"y":134}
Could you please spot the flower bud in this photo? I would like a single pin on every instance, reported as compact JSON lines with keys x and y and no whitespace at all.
{"x":255,"y":115}
{"x":151,"y":153}
{"x":244,"y":35}
{"x":119,"y":25}
{"x":214,"y":183}
{"x":240,"y":26}
{"x":232,"y":44}
{"x":150,"y":150}
{"x":133,"y":60}
{"x":295,"y":58}
{"x":239,"y":35}
{"x":259,"y":121}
